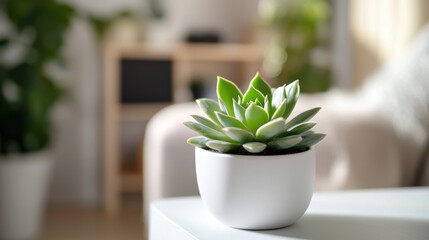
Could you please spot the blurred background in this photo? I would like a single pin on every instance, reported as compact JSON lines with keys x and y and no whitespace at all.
{"x":80,"y":80}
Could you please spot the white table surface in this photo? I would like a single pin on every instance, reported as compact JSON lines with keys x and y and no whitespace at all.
{"x":370,"y":214}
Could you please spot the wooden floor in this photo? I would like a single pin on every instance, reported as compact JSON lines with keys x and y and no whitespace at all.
{"x":82,"y":223}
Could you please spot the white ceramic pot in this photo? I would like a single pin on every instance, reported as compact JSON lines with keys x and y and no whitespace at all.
{"x":256,"y":192}
{"x":24,"y":181}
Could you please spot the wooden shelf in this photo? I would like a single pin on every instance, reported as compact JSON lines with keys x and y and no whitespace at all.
{"x":131,"y":181}
{"x":219,"y":52}
{"x":116,"y":180}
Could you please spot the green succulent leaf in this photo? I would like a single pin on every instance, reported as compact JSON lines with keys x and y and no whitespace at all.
{"x":206,"y":131}
{"x":222,"y":146}
{"x":227,"y":91}
{"x":292,"y":93}
{"x":238,"y":134}
{"x":267,"y":106}
{"x":222,"y":106}
{"x":254,"y":147}
{"x":255,"y":120}
{"x":207,"y":122}
{"x":257,"y":102}
{"x":278,"y":96}
{"x":228,"y":121}
{"x":300,"y":128}
{"x":270,"y":129}
{"x":252,"y":95}
{"x":239,"y":111}
{"x":280,"y":111}
{"x":302,"y":117}
{"x":285,"y":142}
{"x":262,"y":86}
{"x":209,"y":106}
{"x":303,"y":134}
{"x":311,"y":139}
{"x":256,"y":116}
{"x":292,"y":90}
{"x":239,"y":100}
{"x":198,"y":141}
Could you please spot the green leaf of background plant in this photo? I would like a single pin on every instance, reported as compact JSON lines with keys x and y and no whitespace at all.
{"x":198,"y":141}
{"x":255,"y":117}
{"x":227,"y":91}
{"x":285,"y":142}
{"x":207,"y":122}
{"x":228,"y":121}
{"x":206,"y":131}
{"x":238,"y":134}
{"x":222,"y":146}
{"x":302,"y":117}
{"x":254,"y":147}
{"x":25,"y":123}
{"x":209,"y":106}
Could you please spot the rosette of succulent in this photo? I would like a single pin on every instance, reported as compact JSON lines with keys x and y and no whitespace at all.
{"x":255,"y":122}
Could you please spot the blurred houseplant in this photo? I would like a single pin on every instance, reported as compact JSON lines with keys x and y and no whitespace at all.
{"x":299,"y":44}
{"x":33,"y":40}
{"x":255,"y":168}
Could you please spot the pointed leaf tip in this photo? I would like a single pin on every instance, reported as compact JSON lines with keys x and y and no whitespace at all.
{"x":285,"y":142}
{"x":253,"y":95}
{"x":198,"y":141}
{"x":292,"y":92}
{"x":311,"y":139}
{"x":254,"y":147}
{"x":222,"y":146}
{"x":227,"y":91}
{"x":209,"y":107}
{"x":206,"y":131}
{"x":261,"y":85}
{"x":302,"y":117}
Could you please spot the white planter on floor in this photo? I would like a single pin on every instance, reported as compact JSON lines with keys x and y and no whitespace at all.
{"x":24,"y":181}
{"x":256,"y":192}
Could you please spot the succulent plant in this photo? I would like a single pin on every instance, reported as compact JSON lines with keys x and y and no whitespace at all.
{"x":254,"y":122}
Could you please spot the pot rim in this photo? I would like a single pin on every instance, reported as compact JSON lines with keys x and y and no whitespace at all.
{"x":310,"y":149}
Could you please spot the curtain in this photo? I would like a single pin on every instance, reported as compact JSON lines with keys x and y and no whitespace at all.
{"x":381,"y":30}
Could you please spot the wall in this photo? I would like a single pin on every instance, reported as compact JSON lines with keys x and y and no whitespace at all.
{"x":76,"y":177}
{"x":382,"y":30}
{"x":230,"y":18}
